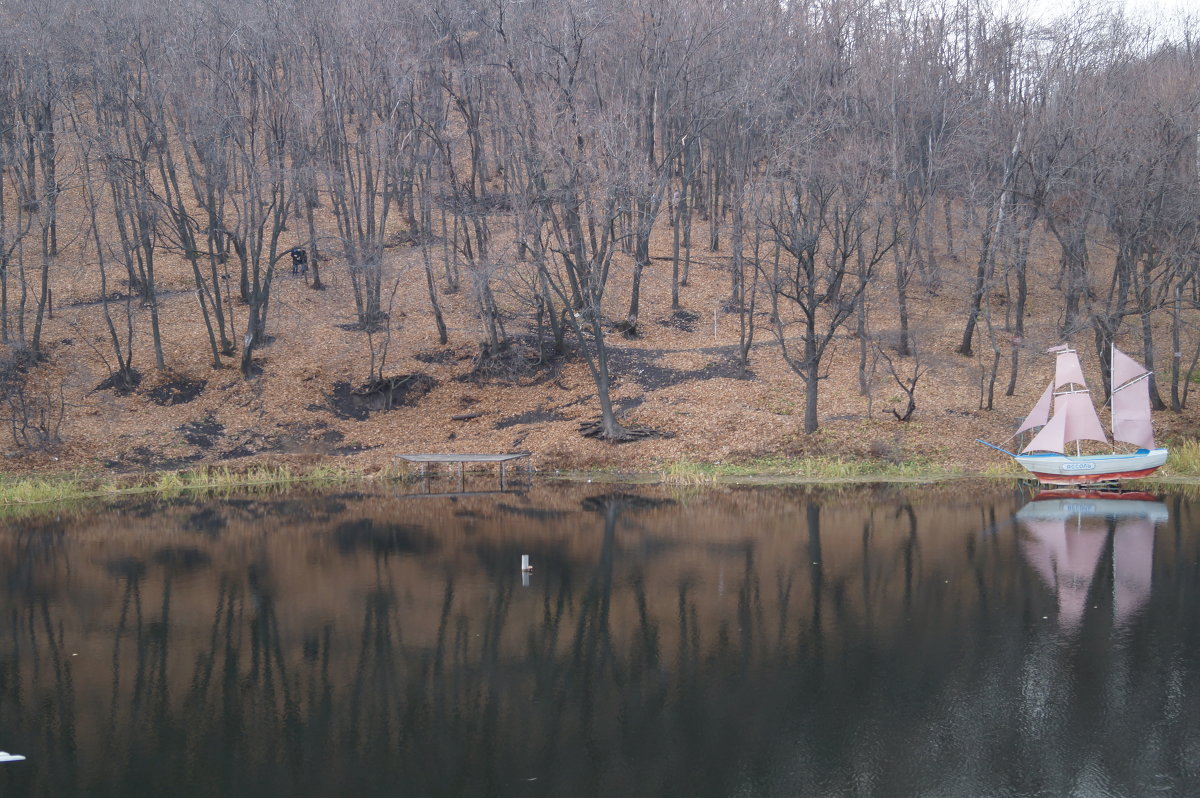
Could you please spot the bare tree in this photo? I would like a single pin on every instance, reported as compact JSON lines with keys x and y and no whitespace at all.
{"x":17,"y":191}
{"x":906,"y":376}
{"x":824,"y":218}
{"x":574,"y":176}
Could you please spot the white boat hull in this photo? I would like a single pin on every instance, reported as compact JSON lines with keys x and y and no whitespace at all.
{"x":1061,"y":469}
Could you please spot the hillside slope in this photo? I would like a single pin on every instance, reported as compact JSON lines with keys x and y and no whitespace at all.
{"x":679,"y":377}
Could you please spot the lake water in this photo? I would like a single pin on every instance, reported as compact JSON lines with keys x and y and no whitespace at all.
{"x":960,"y":640}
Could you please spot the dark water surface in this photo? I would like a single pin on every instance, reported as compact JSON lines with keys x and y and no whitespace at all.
{"x":953,"y":641}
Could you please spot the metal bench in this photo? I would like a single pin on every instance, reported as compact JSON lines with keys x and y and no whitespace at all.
{"x":459,"y":459}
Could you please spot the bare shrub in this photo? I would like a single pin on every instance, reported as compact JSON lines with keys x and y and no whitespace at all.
{"x":33,"y":409}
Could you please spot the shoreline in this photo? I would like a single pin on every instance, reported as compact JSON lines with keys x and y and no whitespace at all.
{"x":50,"y":490}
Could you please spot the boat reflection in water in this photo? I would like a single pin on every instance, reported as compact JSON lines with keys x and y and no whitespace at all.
{"x":1084,"y":543}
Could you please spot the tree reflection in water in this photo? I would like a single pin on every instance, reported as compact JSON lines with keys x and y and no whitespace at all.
{"x":765,"y":642}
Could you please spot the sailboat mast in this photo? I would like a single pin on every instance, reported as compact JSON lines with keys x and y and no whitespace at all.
{"x":1072,"y":389}
{"x":1112,"y":390}
{"x":1079,"y":450}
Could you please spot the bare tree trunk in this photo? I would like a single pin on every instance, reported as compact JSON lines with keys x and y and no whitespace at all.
{"x":982,"y":270}
{"x":746,"y":307}
{"x":902,"y":257}
{"x":427,"y":261}
{"x":862,"y":332}
{"x":686,"y":201}
{"x":1177,"y":398}
{"x":177,"y":208}
{"x":1074,"y":270}
{"x":43,"y":291}
{"x":314,"y":257}
{"x":1024,"y":237}
{"x":1146,"y":303}
{"x":714,"y":206}
{"x":948,"y":208}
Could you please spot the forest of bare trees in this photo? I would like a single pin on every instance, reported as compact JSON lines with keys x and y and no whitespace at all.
{"x":833,"y":152}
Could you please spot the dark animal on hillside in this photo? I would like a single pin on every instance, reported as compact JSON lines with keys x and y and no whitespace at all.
{"x":299,"y":261}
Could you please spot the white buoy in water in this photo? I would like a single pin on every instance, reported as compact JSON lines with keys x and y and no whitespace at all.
{"x":525,"y":566}
{"x":5,"y":756}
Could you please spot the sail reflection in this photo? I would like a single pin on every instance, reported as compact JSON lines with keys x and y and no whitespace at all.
{"x":1083,"y":543}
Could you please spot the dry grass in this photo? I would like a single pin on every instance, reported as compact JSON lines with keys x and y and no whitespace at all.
{"x":216,"y":481}
{"x":813,"y":469}
{"x":1184,"y":459}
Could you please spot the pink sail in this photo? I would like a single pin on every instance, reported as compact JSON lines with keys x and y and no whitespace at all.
{"x":1131,"y":414}
{"x":1074,"y":419}
{"x":1082,"y":422}
{"x":1068,"y":370}
{"x":1050,"y":439}
{"x":1041,"y":412}
{"x":1125,"y":368}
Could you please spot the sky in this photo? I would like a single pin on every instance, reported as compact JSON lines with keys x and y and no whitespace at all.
{"x":1167,"y":13}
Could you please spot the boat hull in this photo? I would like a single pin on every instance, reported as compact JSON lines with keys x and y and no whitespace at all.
{"x":1060,"y":469}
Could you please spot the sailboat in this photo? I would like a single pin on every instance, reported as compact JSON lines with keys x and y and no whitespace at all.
{"x":1074,"y":419}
